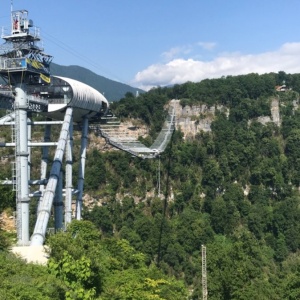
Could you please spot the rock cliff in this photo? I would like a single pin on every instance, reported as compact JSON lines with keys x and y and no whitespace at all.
{"x":193,"y":119}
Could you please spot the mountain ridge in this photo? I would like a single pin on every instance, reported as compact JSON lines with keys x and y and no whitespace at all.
{"x":112,"y":90}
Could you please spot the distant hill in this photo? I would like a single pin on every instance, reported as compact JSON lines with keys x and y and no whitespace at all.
{"x":112,"y":90}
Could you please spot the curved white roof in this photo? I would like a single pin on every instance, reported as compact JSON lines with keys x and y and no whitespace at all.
{"x":69,"y":92}
{"x":84,"y":96}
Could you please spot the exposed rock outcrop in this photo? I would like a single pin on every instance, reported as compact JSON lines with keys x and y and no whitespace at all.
{"x":275,"y":114}
{"x":194,"y":119}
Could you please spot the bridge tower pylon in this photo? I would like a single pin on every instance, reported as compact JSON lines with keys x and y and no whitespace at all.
{"x":22,"y":63}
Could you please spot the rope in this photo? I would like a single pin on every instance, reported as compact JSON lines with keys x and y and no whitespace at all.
{"x":158,"y":177}
{"x":165,"y":201}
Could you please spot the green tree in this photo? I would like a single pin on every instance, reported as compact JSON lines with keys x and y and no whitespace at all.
{"x":20,"y":280}
{"x":77,"y":275}
{"x":101,"y":217}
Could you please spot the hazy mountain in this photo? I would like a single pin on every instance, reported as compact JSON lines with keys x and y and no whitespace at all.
{"x":112,"y":90}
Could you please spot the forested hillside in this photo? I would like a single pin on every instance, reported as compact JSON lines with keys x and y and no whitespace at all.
{"x":234,"y":189}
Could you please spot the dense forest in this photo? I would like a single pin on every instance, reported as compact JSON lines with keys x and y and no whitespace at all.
{"x":234,"y":189}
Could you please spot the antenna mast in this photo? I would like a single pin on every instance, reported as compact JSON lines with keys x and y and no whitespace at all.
{"x":204,"y":275}
{"x":11,"y":10}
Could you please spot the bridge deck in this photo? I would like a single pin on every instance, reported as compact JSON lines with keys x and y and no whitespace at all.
{"x":119,"y":139}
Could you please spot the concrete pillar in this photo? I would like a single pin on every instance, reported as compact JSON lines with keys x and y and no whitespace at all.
{"x":21,"y":107}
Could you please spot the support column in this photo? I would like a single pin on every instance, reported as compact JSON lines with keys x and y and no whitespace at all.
{"x":44,"y":162}
{"x":84,"y":141}
{"x":28,"y":147}
{"x":41,"y":224}
{"x":21,"y":106}
{"x":58,"y":204}
{"x":69,"y":166}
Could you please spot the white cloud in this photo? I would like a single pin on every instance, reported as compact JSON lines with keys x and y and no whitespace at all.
{"x":185,"y":50}
{"x":180,"y":70}
{"x":176,"y":51}
{"x":207,"y":45}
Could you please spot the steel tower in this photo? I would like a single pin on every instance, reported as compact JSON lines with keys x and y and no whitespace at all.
{"x":22,"y":62}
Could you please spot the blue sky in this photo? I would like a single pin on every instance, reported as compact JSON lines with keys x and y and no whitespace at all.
{"x":160,"y":42}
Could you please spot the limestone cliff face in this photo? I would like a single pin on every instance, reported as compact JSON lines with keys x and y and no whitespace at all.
{"x":130,"y":128}
{"x":275,"y":114}
{"x":194,"y":119}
